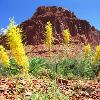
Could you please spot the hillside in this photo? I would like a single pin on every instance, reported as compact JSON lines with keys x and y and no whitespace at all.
{"x":81,"y":30}
{"x":33,"y":28}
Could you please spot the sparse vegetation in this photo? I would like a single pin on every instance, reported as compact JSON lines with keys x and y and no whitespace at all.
{"x":84,"y":67}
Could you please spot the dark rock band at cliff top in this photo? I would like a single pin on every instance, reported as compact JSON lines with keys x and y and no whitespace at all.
{"x":34,"y":28}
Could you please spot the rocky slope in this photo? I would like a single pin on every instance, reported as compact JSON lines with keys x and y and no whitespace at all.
{"x":81,"y":30}
{"x":34,"y":28}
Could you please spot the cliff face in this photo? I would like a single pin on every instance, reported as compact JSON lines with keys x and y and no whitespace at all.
{"x":61,"y":19}
{"x":81,"y":30}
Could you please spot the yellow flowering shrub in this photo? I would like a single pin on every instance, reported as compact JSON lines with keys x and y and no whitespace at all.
{"x":66,"y":35}
{"x":48,"y":35}
{"x":87,"y":50}
{"x":4,"y":57}
{"x":96,"y":57}
{"x":16,"y":46}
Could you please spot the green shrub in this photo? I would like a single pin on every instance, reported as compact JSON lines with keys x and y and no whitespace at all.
{"x":12,"y":70}
{"x":68,"y":67}
{"x":84,"y":69}
{"x":35,"y":66}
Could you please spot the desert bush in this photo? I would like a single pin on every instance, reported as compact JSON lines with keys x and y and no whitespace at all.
{"x":36,"y":64}
{"x":96,"y":70}
{"x":12,"y":70}
{"x":3,"y":70}
{"x":66,"y":66}
{"x":84,"y":69}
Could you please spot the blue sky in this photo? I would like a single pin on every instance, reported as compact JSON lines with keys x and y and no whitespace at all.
{"x":24,"y":9}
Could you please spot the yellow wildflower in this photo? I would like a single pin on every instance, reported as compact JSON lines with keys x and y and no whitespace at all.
{"x":87,"y":50}
{"x":66,"y":35}
{"x":4,"y":57}
{"x":48,"y":35}
{"x":16,"y":46}
{"x":96,"y":57}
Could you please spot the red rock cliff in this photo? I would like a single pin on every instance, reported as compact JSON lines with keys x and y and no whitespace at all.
{"x":60,"y":19}
{"x":81,"y":30}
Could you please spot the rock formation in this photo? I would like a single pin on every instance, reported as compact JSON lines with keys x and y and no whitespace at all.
{"x":81,"y":30}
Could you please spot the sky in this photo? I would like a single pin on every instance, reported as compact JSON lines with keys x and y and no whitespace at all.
{"x":21,"y":10}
